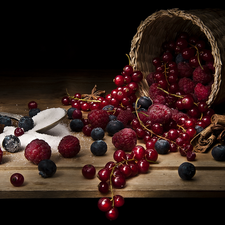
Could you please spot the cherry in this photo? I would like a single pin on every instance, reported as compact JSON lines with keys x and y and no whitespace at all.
{"x":88,"y":171}
{"x":143,"y":166}
{"x":112,"y":214}
{"x":118,"y":200}
{"x":32,"y":105}
{"x":138,"y":152}
{"x":118,"y":181}
{"x":103,"y":187}
{"x":103,"y":174}
{"x":17,"y":179}
{"x":104,"y":204}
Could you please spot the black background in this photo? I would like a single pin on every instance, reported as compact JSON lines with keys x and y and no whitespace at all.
{"x":80,"y":35}
{"x":84,"y":35}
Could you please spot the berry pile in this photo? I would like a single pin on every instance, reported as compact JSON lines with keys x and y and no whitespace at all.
{"x":115,"y":174}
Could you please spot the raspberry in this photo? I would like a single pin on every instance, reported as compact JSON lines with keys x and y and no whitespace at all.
{"x":69,"y":146}
{"x":202,"y":92}
{"x":202,"y":76}
{"x":185,"y":70}
{"x":176,"y":114}
{"x":37,"y":150}
{"x":159,"y":113}
{"x":126,"y":139}
{"x":154,"y":91}
{"x":150,"y":78}
{"x":160,"y":99}
{"x":125,"y":116}
{"x":98,"y":118}
{"x":186,"y":85}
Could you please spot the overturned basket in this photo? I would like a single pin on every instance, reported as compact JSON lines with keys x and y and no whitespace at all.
{"x":164,"y":25}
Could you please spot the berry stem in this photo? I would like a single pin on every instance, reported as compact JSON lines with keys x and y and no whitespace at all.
{"x":197,"y":55}
{"x":128,"y":59}
{"x":81,"y":99}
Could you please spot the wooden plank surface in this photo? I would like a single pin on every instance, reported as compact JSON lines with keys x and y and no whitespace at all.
{"x":47,"y":88}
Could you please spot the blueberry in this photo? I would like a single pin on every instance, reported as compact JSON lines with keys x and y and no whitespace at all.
{"x":26,"y":123}
{"x":5,"y":120}
{"x":162,"y":146}
{"x":11,"y":143}
{"x":98,"y":148}
{"x":114,"y":126}
{"x":97,"y":133}
{"x":34,"y":112}
{"x":144,"y":102}
{"x":180,"y":58}
{"x":76,"y":125}
{"x":186,"y":171}
{"x":47,"y":168}
{"x":198,"y":129}
{"x":218,"y":153}
{"x":108,"y":107}
{"x":70,"y":112}
{"x":112,"y":117}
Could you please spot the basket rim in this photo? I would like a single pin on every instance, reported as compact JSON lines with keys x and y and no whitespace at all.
{"x":186,"y":15}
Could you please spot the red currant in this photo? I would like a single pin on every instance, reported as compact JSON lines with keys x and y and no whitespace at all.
{"x":128,"y":70}
{"x":103,"y":174}
{"x":118,"y":200}
{"x":118,"y":181}
{"x":151,"y":155}
{"x":66,"y":100}
{"x":104,"y":204}
{"x":157,"y":128}
{"x":88,"y":171}
{"x":17,"y":179}
{"x":119,"y":80}
{"x":112,"y":214}
{"x":103,"y":187}
{"x":143,"y":166}
{"x":119,"y":155}
{"x":18,"y":131}
{"x":139,"y":152}
{"x":32,"y":105}
{"x":137,"y":76}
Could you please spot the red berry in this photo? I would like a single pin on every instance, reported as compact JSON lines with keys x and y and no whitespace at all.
{"x":77,"y":95}
{"x":128,"y":70}
{"x":157,"y":128}
{"x":1,"y":155}
{"x":137,"y":76}
{"x":119,"y":80}
{"x":206,"y":120}
{"x":173,"y":134}
{"x":133,"y":86}
{"x":191,"y":156}
{"x":32,"y":105}
{"x":167,"y":57}
{"x":103,"y":174}
{"x":88,"y":171}
{"x":76,"y":104}
{"x":112,"y":214}
{"x":119,"y":155}
{"x":104,"y":204}
{"x":151,"y":155}
{"x":103,"y":187}
{"x":77,"y":114}
{"x":143,"y":166}
{"x":125,"y":170}
{"x":118,"y":200}
{"x":87,"y":129}
{"x":66,"y":100}
{"x":118,"y":181}
{"x":17,"y":179}
{"x":134,"y":168}
{"x":69,"y":146}
{"x":139,"y":152}
{"x":187,"y":102}
{"x":18,"y":131}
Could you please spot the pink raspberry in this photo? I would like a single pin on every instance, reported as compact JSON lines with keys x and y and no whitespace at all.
{"x":186,"y":85}
{"x":202,"y":76}
{"x":126,"y":139}
{"x":150,"y":78}
{"x":202,"y":92}
{"x":69,"y":146}
{"x":159,"y":113}
{"x":98,"y":118}
{"x":125,"y":116}
{"x":37,"y":150}
{"x":154,"y":91}
{"x":185,"y":70}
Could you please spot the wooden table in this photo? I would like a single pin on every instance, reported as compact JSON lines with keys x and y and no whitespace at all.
{"x":47,"y":87}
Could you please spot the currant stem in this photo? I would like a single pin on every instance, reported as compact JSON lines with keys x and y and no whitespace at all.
{"x":128,"y":58}
{"x":197,"y":55}
{"x":81,"y":99}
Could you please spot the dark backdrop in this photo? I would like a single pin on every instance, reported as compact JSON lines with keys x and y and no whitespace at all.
{"x":74,"y":36}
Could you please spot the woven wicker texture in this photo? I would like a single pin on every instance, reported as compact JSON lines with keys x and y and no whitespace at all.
{"x":164,"y":25}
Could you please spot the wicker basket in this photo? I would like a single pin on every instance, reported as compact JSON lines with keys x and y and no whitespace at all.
{"x":164,"y":25}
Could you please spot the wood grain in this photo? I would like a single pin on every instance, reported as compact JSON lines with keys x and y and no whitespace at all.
{"x":47,"y":88}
